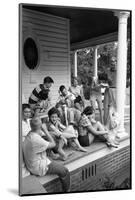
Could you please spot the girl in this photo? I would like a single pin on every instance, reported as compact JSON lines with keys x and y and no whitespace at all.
{"x":62,"y":134}
{"x":89,"y":129}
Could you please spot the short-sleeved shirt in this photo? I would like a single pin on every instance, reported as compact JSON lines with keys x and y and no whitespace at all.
{"x":64,"y":99}
{"x":34,"y":148}
{"x":38,"y":94}
{"x":76,"y":90}
{"x":25,"y":128}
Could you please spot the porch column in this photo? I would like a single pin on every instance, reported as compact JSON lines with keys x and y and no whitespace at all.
{"x":121,"y":67}
{"x":75,"y":63}
{"x":95,"y":62}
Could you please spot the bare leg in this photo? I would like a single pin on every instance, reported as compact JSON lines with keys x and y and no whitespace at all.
{"x":61,"y":151}
{"x":79,"y":147}
{"x":70,"y":115}
{"x":93,"y":102}
{"x":100,"y":107}
{"x":69,"y":132}
{"x":61,"y":114}
{"x":110,"y":141}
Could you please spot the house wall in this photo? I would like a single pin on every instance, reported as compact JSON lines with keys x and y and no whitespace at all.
{"x":51,"y":34}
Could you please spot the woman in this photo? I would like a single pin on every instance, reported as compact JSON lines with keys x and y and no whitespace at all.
{"x":111,"y":118}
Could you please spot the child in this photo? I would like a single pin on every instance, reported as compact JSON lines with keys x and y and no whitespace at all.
{"x":65,"y":105}
{"x":90,"y":129}
{"x":26,"y":114}
{"x":61,"y":133}
{"x":76,"y":89}
{"x":79,"y":104}
{"x":34,"y":148}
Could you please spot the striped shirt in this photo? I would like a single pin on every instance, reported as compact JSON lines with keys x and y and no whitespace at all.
{"x":39,"y":94}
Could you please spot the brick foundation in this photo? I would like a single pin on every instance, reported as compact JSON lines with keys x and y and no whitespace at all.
{"x":91,"y":176}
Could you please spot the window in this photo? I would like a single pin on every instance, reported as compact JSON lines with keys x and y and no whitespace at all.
{"x":30,"y":53}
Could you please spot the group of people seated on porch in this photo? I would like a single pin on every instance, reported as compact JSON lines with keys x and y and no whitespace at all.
{"x":47,"y":129}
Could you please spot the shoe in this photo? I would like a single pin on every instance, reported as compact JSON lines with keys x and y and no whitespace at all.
{"x":111,"y":145}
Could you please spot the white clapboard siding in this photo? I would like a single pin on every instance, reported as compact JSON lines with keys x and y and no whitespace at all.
{"x":52,"y":36}
{"x":45,"y":17}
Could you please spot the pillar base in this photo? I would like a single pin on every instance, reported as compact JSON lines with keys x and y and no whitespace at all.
{"x":122,"y":134}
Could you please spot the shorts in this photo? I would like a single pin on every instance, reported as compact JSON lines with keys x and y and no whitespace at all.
{"x":86,"y":140}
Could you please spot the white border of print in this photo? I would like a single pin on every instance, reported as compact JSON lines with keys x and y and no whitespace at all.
{"x":9,"y":97}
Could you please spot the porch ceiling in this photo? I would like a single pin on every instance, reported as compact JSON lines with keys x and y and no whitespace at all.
{"x":85,"y":23}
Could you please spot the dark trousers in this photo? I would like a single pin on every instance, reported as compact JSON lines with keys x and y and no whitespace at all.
{"x":63,"y":173}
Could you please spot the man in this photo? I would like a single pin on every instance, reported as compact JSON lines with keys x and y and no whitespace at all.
{"x":40,"y":99}
{"x":34,"y":149}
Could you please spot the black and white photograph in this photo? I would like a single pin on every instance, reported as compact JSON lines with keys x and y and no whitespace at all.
{"x":74,"y":99}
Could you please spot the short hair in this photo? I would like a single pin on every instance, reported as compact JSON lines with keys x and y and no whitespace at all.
{"x":34,"y":121}
{"x":61,"y":88}
{"x":25,"y":105}
{"x":48,"y":79}
{"x":78,"y":99}
{"x":88,"y":110}
{"x":52,"y":111}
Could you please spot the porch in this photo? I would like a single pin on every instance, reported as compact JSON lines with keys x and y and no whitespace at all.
{"x":88,"y":171}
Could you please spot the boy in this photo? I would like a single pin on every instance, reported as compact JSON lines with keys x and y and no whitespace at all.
{"x":61,"y":133}
{"x":34,"y":148}
{"x":65,"y":105}
{"x":79,"y":104}
{"x":89,"y":129}
{"x":40,"y":98}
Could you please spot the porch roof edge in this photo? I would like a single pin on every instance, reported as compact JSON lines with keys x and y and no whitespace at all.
{"x":111,"y":37}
